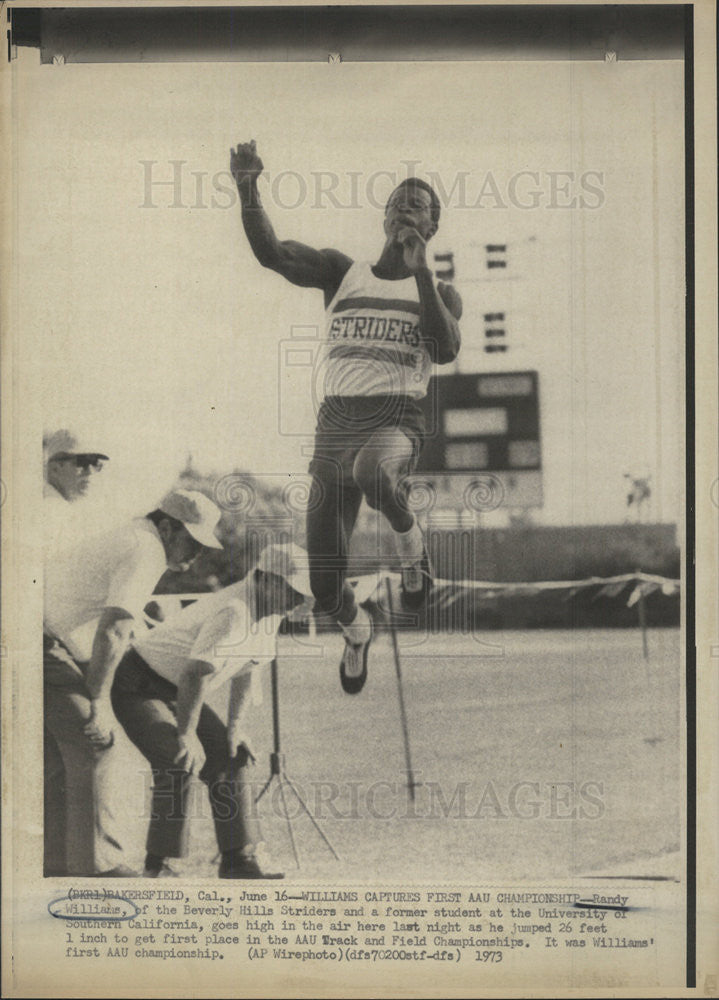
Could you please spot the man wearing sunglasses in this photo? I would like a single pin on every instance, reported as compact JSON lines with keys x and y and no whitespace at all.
{"x":71,"y":465}
{"x":95,"y":591}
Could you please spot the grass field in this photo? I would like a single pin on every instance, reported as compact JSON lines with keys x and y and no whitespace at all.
{"x":541,"y":755}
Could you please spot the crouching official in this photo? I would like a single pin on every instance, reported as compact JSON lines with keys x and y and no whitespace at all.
{"x":94,"y":595}
{"x":159,"y":697}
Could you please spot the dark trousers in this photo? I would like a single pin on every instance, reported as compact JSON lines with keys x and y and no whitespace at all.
{"x":81,"y":827}
{"x":330,"y":523}
{"x":146,"y":706}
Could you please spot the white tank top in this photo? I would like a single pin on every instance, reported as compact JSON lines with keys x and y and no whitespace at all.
{"x":372,"y":340}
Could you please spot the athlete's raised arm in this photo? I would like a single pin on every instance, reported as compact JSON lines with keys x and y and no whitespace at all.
{"x":300,"y":264}
{"x":440,"y":307}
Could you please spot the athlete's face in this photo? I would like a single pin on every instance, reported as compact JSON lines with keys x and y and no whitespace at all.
{"x":409,"y":206}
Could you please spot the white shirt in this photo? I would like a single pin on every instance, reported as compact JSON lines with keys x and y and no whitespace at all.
{"x":373,"y":344}
{"x":61,"y":524}
{"x":216,"y":629}
{"x":67,"y":523}
{"x":119,"y":569}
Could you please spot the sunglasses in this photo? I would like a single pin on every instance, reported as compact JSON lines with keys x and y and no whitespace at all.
{"x":83,"y":462}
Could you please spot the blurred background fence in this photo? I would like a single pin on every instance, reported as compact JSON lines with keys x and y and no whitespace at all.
{"x":255,"y":512}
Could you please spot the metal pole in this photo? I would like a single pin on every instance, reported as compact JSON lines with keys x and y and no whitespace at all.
{"x":277,"y":770}
{"x":275,"y":705}
{"x":642,"y":612}
{"x":277,"y":763}
{"x":402,"y":713}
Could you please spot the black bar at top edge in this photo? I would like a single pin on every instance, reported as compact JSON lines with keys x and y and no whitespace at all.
{"x":690,"y":562}
{"x":639,"y":30}
{"x":25,"y":26}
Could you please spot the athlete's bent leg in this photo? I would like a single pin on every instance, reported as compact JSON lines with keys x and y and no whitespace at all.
{"x":331,"y":516}
{"x":380,"y":470}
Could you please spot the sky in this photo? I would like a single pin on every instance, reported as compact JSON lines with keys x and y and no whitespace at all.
{"x":143,"y":315}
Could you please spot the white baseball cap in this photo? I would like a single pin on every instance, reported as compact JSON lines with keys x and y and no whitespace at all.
{"x":63,"y":443}
{"x":289,"y":561}
{"x":197,"y":512}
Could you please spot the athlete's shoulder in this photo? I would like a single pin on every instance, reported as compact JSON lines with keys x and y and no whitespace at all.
{"x":451,"y":298}
{"x":338,"y":264}
{"x":339,"y":261}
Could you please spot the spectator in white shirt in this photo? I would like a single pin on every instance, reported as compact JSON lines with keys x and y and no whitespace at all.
{"x":159,"y":697}
{"x":71,"y":465}
{"x":94,"y":595}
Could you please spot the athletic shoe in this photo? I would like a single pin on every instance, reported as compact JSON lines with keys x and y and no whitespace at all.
{"x":416,"y":583}
{"x":163,"y":871}
{"x":353,"y":666}
{"x":237,"y":865}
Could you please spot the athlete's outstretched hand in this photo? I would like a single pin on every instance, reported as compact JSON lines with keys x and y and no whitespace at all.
{"x":244,"y":162}
{"x":414,"y":247}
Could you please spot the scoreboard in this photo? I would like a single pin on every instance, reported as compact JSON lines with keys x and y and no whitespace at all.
{"x":485,"y":425}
